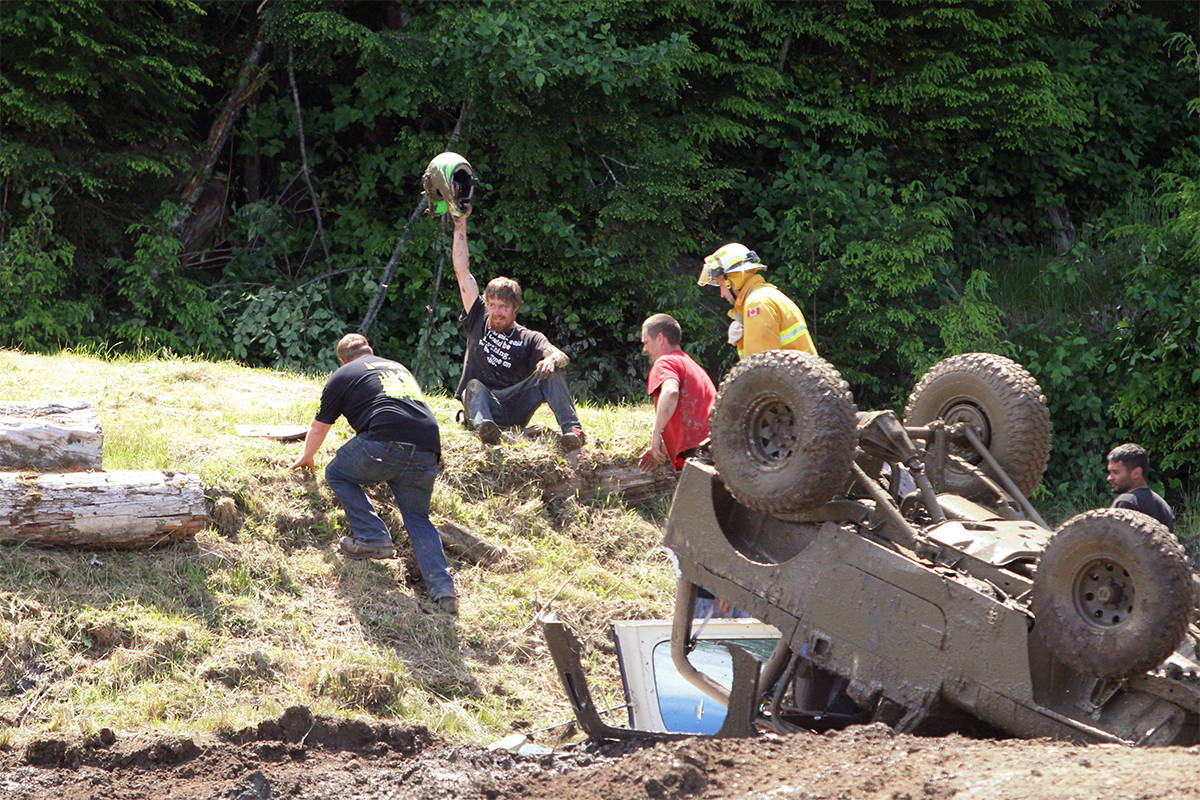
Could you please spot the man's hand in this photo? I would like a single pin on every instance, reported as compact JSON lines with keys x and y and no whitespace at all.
{"x":649,"y":460}
{"x":653,"y":455}
{"x":736,"y":330}
{"x":544,"y":368}
{"x":304,"y":463}
{"x":312,"y":443}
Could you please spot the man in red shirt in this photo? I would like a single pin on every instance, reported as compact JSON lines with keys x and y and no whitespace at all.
{"x":682,"y":391}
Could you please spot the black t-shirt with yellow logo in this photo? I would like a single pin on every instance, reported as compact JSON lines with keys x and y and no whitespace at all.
{"x":382,"y":402}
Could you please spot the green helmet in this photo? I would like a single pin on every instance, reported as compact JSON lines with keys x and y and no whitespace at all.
{"x":449,"y":184}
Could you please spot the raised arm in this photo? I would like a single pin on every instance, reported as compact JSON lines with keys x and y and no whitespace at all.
{"x":460,"y":254}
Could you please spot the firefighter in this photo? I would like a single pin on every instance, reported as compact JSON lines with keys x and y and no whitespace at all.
{"x":764,"y":318}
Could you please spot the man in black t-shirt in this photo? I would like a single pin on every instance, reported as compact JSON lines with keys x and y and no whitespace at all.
{"x":508,"y":370}
{"x":397,"y":442}
{"x":1128,"y":468}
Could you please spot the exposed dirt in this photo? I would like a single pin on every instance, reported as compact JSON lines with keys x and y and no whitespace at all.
{"x":299,"y":756}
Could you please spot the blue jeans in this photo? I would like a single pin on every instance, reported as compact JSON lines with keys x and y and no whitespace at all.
{"x":409,"y":473}
{"x":516,"y":404}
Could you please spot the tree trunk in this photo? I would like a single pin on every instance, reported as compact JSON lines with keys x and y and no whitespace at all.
{"x":249,"y":80}
{"x":57,"y":436}
{"x":120,"y":509}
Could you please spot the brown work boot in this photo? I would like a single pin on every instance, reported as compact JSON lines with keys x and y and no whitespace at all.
{"x":353,"y":548}
{"x":489,"y":432}
{"x":572,"y":440}
{"x":448,"y":605}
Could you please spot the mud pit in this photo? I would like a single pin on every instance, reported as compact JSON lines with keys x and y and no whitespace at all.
{"x":299,"y":756}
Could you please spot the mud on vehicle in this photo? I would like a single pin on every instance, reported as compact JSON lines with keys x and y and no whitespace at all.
{"x":909,"y":576}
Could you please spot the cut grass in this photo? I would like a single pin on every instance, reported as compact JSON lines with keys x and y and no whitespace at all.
{"x":230,"y":629}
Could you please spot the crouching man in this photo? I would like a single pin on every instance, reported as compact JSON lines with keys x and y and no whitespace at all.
{"x":682,"y":391}
{"x":397,"y":442}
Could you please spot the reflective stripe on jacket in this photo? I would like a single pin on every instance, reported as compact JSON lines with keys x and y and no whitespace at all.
{"x":772,"y":321}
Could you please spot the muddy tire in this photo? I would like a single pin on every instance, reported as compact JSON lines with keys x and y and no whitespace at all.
{"x":783,"y":431}
{"x":1113,"y":593}
{"x":1001,"y":401}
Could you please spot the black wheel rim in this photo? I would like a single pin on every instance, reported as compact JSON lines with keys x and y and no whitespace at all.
{"x":961,"y":410}
{"x":771,"y":431}
{"x":1104,"y":593}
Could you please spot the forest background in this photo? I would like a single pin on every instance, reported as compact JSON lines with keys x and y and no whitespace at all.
{"x":239,"y":179}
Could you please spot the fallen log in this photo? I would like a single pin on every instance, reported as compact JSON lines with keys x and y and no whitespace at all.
{"x":119,"y":509}
{"x":469,"y":547}
{"x":630,"y":484}
{"x":55,"y":436}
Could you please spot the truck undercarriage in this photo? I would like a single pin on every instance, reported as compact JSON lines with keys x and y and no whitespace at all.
{"x":910,"y":578}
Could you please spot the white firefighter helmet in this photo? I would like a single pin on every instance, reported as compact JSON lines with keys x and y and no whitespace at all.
{"x":731,"y":258}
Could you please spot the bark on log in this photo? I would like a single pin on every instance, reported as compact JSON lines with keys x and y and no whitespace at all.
{"x":120,"y":509}
{"x":54,"y":436}
{"x":469,"y":547}
{"x":629,"y":483}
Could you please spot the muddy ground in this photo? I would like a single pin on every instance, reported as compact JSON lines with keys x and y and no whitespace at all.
{"x":299,"y":756}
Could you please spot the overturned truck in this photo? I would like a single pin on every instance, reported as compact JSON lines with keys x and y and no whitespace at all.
{"x":910,"y":578}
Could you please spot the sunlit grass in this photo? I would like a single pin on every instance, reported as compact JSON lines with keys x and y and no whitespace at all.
{"x":231,"y":629}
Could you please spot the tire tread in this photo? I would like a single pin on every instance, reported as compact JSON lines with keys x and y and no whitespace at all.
{"x":1167,"y":599}
{"x":818,"y":471}
{"x":1023,"y":422}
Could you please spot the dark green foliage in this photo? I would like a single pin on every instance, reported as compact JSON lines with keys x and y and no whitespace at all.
{"x":922,"y":178}
{"x":843,"y":234}
{"x":95,"y":100}
{"x":35,"y":270}
{"x":291,"y":329}
{"x":1158,"y":338}
{"x":162,"y":307}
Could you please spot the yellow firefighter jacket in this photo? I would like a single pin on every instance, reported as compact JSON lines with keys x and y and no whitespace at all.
{"x":771,"y":321}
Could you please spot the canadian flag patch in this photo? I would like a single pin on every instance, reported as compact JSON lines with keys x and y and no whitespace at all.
{"x":753,"y":312}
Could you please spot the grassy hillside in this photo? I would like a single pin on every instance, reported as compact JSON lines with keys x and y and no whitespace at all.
{"x":262,"y":614}
{"x":237,"y":626}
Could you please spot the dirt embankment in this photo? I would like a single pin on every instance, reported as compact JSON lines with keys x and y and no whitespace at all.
{"x":305,"y":757}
